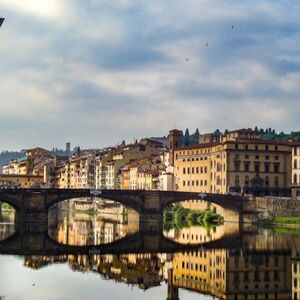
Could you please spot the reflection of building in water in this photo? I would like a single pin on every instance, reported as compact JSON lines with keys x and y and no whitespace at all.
{"x":295,"y":275}
{"x":7,"y":227}
{"x":134,"y":269}
{"x":37,"y":262}
{"x":82,"y":229}
{"x":262,"y":275}
{"x":233,"y":275}
{"x":229,"y":274}
{"x":196,"y":234}
{"x":202,"y":271}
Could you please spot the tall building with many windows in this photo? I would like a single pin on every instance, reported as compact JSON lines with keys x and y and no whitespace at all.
{"x":296,"y":169}
{"x":239,"y":162}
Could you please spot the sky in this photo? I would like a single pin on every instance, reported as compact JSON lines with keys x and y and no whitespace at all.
{"x":95,"y":72}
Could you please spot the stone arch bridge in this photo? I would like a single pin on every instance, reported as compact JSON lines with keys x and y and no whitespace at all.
{"x":32,"y":205}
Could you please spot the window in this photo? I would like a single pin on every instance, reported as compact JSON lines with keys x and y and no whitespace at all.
{"x":267,"y":182}
{"x":256,"y":147}
{"x":276,"y":181}
{"x":256,"y":167}
{"x":246,"y":180}
{"x":267,"y":276}
{"x":256,"y":275}
{"x":295,"y":179}
{"x":276,"y":168}
{"x":267,"y":168}
{"x":246,"y":166}
{"x":183,"y":170}
{"x":236,"y":166}
{"x":237,"y":181}
{"x":295,"y":163}
{"x":267,"y":147}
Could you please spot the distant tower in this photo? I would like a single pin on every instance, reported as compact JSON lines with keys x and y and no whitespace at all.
{"x":172,"y":290}
{"x":174,"y":143}
{"x":68,"y":148}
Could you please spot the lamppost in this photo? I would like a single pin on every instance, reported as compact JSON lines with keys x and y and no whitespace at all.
{"x":1,"y":21}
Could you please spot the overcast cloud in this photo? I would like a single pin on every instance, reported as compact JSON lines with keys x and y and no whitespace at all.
{"x":96,"y":72}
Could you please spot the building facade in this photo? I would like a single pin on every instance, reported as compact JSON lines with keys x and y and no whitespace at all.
{"x":234,"y":165}
{"x":295,"y":169}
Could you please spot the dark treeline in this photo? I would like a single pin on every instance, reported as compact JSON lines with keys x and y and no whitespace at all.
{"x":7,"y":156}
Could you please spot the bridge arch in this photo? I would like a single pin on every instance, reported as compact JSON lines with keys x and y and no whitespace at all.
{"x":15,"y":203}
{"x":67,"y":198}
{"x":230,"y":202}
{"x":122,"y":198}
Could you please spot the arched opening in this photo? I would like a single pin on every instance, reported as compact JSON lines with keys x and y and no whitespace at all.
{"x":90,"y":221}
{"x":193,"y":222}
{"x":295,"y":179}
{"x":7,"y":220}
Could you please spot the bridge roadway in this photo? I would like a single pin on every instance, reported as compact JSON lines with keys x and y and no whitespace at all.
{"x":32,"y":205}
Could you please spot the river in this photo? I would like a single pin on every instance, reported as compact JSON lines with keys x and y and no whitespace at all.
{"x":223,"y":262}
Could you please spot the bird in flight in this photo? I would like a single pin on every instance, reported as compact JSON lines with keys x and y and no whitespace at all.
{"x":1,"y":21}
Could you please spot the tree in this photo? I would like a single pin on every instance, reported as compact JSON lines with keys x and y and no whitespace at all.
{"x":186,"y":137}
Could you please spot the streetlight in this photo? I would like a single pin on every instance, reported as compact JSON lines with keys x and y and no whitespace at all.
{"x":1,"y":21}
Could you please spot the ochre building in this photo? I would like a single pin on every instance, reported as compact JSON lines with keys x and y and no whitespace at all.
{"x":237,"y":162}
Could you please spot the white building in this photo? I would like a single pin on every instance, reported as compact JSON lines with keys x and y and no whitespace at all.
{"x":296,"y":169}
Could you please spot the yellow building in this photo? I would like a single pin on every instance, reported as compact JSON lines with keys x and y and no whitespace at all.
{"x":231,"y":274}
{"x":21,"y":181}
{"x":239,"y":163}
{"x":125,"y":178}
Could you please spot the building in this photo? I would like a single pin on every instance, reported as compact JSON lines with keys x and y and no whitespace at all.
{"x":109,"y":167}
{"x":240,"y":162}
{"x":21,"y":181}
{"x":31,"y":164}
{"x":295,"y":169}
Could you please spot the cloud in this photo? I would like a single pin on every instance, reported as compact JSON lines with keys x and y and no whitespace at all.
{"x":96,"y":72}
{"x":40,"y":8}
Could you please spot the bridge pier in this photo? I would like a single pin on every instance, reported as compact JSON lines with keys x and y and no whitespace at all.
{"x":31,"y":221}
{"x":150,"y":222}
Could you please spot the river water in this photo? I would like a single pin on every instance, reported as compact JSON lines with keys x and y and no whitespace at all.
{"x":107,"y":256}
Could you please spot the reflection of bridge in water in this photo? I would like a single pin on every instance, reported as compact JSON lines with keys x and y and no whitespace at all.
{"x":39,"y":243}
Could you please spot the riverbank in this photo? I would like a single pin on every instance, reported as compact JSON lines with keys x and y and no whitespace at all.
{"x":281,"y":221}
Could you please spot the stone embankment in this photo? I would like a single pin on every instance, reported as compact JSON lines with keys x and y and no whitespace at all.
{"x":269,"y":209}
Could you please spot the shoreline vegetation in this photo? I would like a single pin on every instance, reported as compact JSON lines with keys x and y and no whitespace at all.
{"x":178,"y":217}
{"x":281,"y":221}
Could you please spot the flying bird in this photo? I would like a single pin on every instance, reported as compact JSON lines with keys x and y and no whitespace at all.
{"x":1,"y":21}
